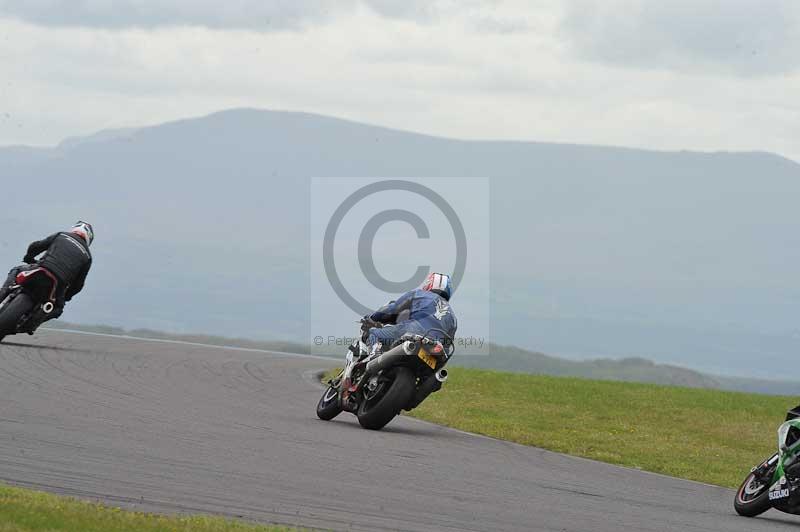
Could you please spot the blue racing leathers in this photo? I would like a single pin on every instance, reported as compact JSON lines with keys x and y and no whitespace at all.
{"x":415,"y":312}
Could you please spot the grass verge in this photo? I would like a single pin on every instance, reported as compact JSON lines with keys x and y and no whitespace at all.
{"x":23,"y":510}
{"x":706,"y":435}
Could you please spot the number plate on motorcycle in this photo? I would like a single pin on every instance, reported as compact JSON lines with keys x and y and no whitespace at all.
{"x":427,"y":358}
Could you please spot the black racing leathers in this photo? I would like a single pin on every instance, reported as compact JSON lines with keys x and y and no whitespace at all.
{"x":67,"y":257}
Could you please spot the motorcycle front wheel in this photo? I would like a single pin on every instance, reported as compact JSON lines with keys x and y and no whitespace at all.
{"x":328,"y":406}
{"x":752,"y":497}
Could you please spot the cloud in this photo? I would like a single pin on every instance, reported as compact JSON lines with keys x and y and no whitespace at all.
{"x":232,"y":14}
{"x":444,"y":76}
{"x":418,"y":10}
{"x":738,"y":37}
{"x":241,"y":14}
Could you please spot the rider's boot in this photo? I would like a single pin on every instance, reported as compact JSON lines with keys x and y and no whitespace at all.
{"x":58,"y":309}
{"x":376,"y":350}
{"x":354,"y":348}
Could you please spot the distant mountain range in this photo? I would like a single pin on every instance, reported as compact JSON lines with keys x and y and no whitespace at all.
{"x":683,"y":258}
{"x":503,"y":358}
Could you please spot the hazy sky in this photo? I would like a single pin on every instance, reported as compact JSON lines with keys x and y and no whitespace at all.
{"x":693,"y":74}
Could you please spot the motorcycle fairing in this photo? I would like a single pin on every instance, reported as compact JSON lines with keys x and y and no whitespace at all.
{"x":784,"y":492}
{"x":44,"y":282}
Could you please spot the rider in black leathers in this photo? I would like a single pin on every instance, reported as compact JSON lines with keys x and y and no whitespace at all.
{"x":66,"y":256}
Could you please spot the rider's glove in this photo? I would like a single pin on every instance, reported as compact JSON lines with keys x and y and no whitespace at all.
{"x":29,"y":259}
{"x":364,"y":329}
{"x":368,"y":323}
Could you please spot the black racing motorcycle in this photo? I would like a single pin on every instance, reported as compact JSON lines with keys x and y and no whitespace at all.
{"x":29,"y":303}
{"x":377,"y":387}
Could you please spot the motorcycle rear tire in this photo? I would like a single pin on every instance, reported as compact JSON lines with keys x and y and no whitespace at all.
{"x":376,"y":416}
{"x":12,"y":312}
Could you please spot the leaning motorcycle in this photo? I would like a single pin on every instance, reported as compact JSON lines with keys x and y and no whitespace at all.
{"x":377,"y":387}
{"x":30,"y":301}
{"x":775,"y":483}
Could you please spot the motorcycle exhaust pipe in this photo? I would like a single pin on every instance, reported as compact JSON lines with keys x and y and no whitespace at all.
{"x":390,"y":358}
{"x":428,"y":386}
{"x":48,"y":307}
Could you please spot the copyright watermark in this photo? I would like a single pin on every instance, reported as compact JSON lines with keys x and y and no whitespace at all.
{"x":460,"y":342}
{"x":374,"y":239}
{"x":366,"y":240}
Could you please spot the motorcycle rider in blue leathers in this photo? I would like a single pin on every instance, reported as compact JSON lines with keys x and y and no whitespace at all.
{"x":425,"y":311}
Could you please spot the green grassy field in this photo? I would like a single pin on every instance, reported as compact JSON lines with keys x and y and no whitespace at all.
{"x":28,"y":511}
{"x":706,"y":435}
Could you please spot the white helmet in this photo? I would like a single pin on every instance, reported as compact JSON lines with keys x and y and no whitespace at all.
{"x":438,"y":283}
{"x":83,"y":230}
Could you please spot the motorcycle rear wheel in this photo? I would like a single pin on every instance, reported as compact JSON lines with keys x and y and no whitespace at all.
{"x":12,"y":312}
{"x":374,"y":414}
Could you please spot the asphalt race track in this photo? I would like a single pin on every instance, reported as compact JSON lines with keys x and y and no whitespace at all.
{"x":172,"y":427}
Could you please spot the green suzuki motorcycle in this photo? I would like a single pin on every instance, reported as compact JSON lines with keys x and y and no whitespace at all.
{"x":775,"y":483}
